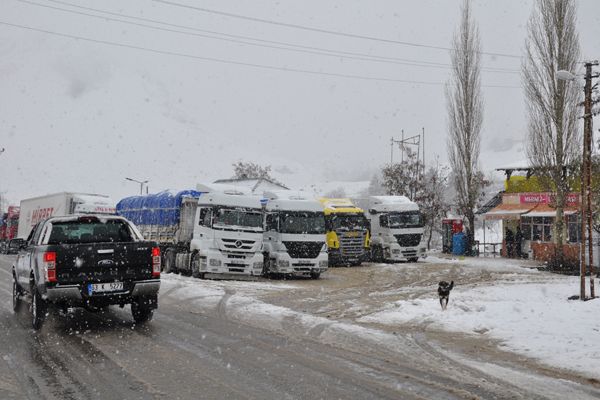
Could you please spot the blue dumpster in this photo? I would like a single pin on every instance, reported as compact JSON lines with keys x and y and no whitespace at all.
{"x":459,"y":244}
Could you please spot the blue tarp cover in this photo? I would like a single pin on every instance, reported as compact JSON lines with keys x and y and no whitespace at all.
{"x":162,"y":208}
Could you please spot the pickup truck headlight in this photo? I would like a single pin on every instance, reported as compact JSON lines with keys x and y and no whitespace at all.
{"x":214,"y":262}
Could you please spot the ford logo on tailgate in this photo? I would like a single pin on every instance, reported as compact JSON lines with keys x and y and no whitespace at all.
{"x":106,"y":263}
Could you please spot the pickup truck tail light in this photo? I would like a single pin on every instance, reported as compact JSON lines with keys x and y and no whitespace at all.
{"x":50,"y":265}
{"x":156,"y":261}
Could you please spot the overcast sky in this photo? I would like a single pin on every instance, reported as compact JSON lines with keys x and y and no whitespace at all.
{"x":77,"y":115}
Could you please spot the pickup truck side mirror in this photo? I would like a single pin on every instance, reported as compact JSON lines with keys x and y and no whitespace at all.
{"x":17,"y":244}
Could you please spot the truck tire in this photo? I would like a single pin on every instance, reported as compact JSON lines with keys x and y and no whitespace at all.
{"x":141,"y":310}
{"x":377,"y":253}
{"x":169,"y":262}
{"x":315,"y":275}
{"x":195,"y":265}
{"x":413,"y":259}
{"x":38,"y":309}
{"x":16,"y":295}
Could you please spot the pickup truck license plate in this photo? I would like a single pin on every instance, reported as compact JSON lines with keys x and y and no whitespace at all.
{"x":104,"y":287}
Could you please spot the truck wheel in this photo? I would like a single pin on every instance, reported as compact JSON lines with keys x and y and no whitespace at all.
{"x":169,"y":262}
{"x":315,"y":275}
{"x":195,"y":265}
{"x":38,"y":309}
{"x":413,"y":259}
{"x":16,"y":295}
{"x":377,"y":254}
{"x":141,"y":311}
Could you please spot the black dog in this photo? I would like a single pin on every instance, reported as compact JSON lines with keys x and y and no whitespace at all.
{"x":444,"y":289}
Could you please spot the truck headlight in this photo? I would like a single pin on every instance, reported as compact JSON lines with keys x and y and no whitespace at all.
{"x":323,"y":264}
{"x":257,"y":265}
{"x":324,"y":248}
{"x":283,"y":263}
{"x":214,"y":262}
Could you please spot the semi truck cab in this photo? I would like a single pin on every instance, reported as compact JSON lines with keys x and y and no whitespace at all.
{"x":228,"y":234}
{"x":397,"y":228}
{"x":294,"y":235}
{"x":348,"y":232}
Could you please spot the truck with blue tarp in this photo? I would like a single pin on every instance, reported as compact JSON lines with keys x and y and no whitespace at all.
{"x":214,"y":231}
{"x":166,"y":217}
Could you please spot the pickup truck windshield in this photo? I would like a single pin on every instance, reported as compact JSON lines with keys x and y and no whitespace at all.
{"x":225,"y":217}
{"x":302,"y":222}
{"x":93,"y":231}
{"x":408,"y":219}
{"x":348,"y":222}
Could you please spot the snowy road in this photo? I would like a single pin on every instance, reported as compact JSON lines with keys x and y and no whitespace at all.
{"x":265,"y":340}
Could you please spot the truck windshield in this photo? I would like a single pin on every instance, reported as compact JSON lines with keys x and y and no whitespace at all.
{"x":237,"y":217}
{"x":90,"y":231}
{"x":302,"y":222}
{"x":347,"y":222}
{"x":408,"y":219}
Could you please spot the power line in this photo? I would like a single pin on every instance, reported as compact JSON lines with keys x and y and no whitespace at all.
{"x":321,"y":30}
{"x":233,"y":62}
{"x":300,"y":48}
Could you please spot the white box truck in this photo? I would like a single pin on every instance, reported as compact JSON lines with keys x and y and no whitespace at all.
{"x":36,"y":209}
{"x":294,"y":237}
{"x":397,"y":228}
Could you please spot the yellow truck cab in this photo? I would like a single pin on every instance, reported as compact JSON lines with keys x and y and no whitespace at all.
{"x":348,"y":232}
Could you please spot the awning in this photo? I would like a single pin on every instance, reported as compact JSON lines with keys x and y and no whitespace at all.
{"x":544,"y":210}
{"x":508,"y":211}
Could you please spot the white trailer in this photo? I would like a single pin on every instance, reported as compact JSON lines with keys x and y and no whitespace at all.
{"x":294,"y":237}
{"x":36,"y":209}
{"x":228,"y":234}
{"x":396,"y":228}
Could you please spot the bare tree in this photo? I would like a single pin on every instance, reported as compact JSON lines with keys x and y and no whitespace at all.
{"x":249,"y":170}
{"x":465,"y":116}
{"x":552,"y":44}
{"x":404,"y":178}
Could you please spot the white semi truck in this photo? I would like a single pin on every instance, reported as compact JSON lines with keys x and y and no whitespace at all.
{"x":213,"y":231}
{"x":228,"y":234}
{"x":36,"y":209}
{"x":294,"y":237}
{"x":397,"y":228}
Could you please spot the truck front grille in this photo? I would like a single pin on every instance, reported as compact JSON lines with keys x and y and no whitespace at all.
{"x":238,"y":244}
{"x":352,"y":246}
{"x":303,"y":249}
{"x":409,"y":240}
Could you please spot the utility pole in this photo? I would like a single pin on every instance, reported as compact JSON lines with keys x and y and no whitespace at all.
{"x":587,"y":137}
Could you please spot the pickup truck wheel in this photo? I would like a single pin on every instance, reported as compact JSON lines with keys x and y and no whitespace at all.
{"x":16,"y":295}
{"x":141,"y":312}
{"x":195,"y":265}
{"x":38,"y":309}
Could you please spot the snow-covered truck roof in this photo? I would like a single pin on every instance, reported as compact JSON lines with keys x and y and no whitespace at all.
{"x":290,"y":200}
{"x":339,"y":206}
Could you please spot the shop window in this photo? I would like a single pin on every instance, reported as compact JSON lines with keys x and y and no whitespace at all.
{"x":537,"y":228}
{"x":573,"y":228}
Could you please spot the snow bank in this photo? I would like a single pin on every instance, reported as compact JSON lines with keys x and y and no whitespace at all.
{"x":532,"y":319}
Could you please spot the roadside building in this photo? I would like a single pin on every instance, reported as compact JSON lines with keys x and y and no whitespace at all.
{"x":528,"y":218}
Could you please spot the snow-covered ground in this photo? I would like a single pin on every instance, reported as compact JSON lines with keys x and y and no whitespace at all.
{"x":533,"y":319}
{"x":525,"y":310}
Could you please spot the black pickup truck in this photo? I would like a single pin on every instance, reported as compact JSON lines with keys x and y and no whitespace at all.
{"x":89,"y":261}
